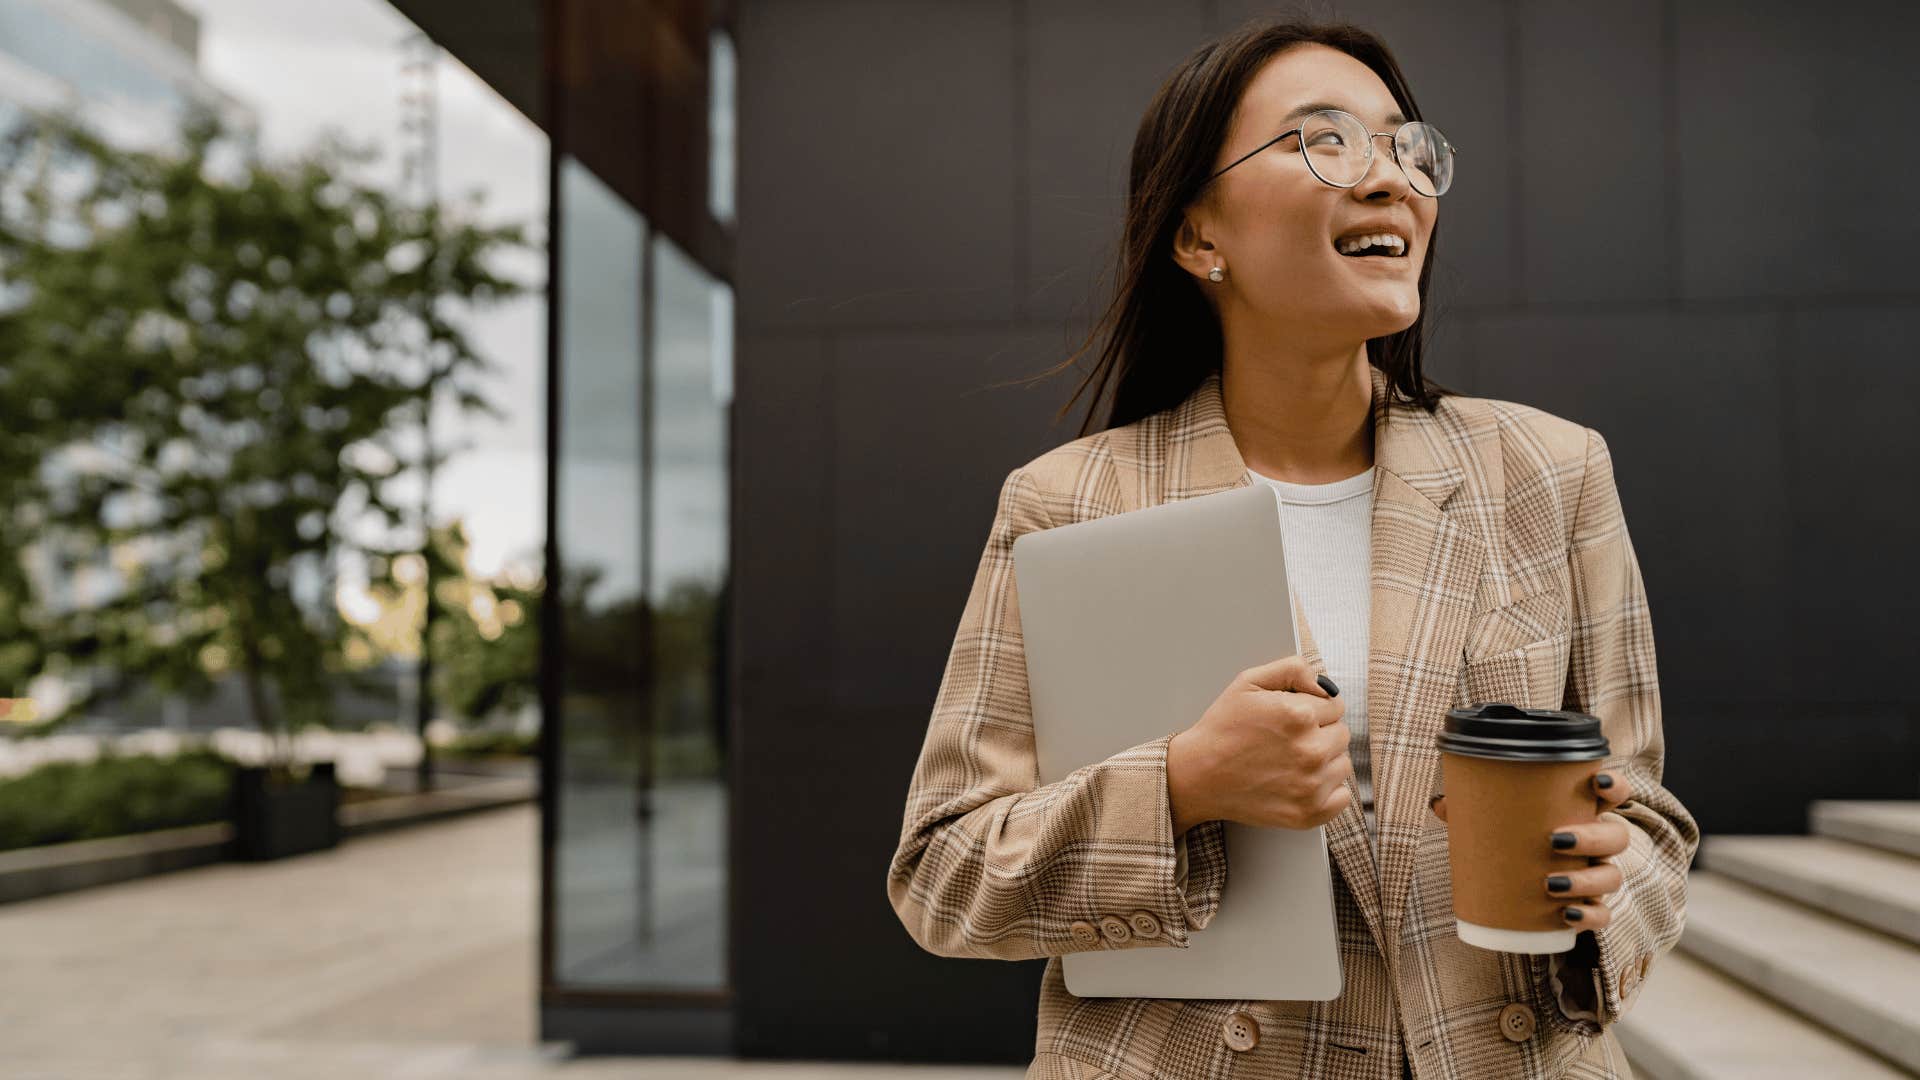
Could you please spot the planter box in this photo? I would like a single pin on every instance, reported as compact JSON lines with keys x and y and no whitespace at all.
{"x":273,"y":818}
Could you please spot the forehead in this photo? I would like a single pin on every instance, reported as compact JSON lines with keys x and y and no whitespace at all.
{"x":1309,"y":76}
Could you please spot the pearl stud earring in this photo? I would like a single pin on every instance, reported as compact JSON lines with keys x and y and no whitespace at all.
{"x":1215,"y":274}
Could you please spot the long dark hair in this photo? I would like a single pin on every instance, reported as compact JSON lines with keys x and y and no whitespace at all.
{"x":1162,"y":337}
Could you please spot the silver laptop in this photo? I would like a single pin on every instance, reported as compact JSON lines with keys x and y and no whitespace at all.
{"x":1133,"y":625}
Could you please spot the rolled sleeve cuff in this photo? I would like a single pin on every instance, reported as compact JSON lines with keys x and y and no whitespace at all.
{"x":1130,"y":902}
{"x":1200,"y":876}
{"x":1199,"y":862}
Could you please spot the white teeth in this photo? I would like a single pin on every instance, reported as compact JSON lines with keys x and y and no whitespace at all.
{"x":1355,"y":243}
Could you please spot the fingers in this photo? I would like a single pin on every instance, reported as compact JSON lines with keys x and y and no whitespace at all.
{"x":1586,"y":916}
{"x":1334,"y":775}
{"x":1594,"y":882}
{"x":1611,"y":789}
{"x":1298,"y":714}
{"x":1595,"y":839}
{"x":1335,"y":804}
{"x":1331,"y":741}
{"x":1287,"y":673}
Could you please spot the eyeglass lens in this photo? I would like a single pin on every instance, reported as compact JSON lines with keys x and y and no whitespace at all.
{"x":1338,"y":149}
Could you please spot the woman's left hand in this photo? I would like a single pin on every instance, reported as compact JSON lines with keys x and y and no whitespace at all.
{"x":1600,"y":841}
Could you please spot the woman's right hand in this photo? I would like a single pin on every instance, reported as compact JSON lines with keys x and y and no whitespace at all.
{"x":1271,"y":751}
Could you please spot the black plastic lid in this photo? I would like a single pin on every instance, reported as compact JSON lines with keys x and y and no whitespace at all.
{"x":1506,"y":732}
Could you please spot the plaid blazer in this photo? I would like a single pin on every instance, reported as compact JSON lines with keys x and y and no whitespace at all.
{"x":1501,"y":570}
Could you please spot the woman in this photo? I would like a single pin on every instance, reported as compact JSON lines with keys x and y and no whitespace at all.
{"x":1450,"y":549}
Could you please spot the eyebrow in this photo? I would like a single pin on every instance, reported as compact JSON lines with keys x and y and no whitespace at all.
{"x":1299,"y":111}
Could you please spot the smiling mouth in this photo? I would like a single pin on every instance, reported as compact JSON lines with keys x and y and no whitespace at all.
{"x":1375,"y":251}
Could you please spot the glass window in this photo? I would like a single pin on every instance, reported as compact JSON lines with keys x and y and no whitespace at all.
{"x":599,"y":917}
{"x":692,"y":365}
{"x":720,"y":128}
{"x":641,"y":888}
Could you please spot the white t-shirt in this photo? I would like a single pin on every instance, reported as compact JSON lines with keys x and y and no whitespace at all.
{"x":1327,"y":531}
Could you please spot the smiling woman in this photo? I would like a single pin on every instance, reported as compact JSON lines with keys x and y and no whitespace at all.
{"x":1440,"y":549}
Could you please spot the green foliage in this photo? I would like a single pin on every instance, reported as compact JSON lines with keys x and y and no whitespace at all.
{"x":493,"y":743}
{"x":205,"y":378}
{"x":486,"y":636}
{"x":112,"y":796}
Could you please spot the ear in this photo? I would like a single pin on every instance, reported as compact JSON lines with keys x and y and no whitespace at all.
{"x":1192,"y":247}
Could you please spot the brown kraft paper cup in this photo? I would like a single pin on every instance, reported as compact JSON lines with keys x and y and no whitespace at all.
{"x":1512,"y":776}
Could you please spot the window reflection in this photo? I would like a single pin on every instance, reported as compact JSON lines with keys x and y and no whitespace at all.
{"x":641,"y":861}
{"x":688,"y":541}
{"x":598,"y":914}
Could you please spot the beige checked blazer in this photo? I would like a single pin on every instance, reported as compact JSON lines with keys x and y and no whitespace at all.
{"x":1501,"y":570}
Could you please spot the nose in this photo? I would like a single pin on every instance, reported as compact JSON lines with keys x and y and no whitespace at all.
{"x":1383,"y":169}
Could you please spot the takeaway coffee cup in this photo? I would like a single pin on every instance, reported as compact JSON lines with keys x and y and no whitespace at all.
{"x":1512,"y":776}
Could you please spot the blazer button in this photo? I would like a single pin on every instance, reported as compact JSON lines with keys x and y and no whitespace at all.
{"x":1116,"y":930}
{"x":1517,"y":1022}
{"x":1242,"y":1032}
{"x":1144,"y":924}
{"x":1085,"y":935}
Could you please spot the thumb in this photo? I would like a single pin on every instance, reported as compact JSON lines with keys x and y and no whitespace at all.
{"x":1438,"y":804}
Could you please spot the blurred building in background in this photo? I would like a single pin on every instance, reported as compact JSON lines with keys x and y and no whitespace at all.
{"x":129,"y":67}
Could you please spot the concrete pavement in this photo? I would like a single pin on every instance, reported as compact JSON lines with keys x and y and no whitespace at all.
{"x":406,"y":955}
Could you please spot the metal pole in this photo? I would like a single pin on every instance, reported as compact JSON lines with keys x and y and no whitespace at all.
{"x":419,"y":126}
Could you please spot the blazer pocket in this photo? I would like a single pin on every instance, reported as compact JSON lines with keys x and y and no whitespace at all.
{"x":1543,"y":613}
{"x":1532,"y":675}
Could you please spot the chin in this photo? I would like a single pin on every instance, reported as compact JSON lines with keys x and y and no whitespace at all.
{"x":1379,"y":328}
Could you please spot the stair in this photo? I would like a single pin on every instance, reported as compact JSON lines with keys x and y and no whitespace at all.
{"x":1692,"y":1023}
{"x":1894,"y":826}
{"x":1870,"y":887}
{"x":1801,"y":956}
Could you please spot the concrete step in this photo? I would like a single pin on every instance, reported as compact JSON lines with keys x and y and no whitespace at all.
{"x":1693,"y":1023}
{"x":1858,"y":982}
{"x":1893,"y":826}
{"x":1869,"y":886}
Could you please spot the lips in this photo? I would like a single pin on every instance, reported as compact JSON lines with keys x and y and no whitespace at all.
{"x":1387,"y":234}
{"x":1378,"y":262}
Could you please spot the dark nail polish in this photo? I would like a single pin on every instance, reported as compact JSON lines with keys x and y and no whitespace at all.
{"x":1327,"y":685}
{"x":1603,"y":781}
{"x":1564,"y":840}
{"x":1559,"y":883}
{"x":1574,"y":914}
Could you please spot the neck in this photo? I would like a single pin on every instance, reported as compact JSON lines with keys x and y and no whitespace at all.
{"x":1302,"y":419}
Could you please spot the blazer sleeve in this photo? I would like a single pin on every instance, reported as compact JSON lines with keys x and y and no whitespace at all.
{"x":991,"y":863}
{"x":1611,"y":674}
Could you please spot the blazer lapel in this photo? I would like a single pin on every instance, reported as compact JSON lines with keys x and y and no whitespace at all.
{"x":1423,"y":580}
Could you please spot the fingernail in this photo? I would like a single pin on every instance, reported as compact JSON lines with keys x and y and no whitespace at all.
{"x":1327,"y":685}
{"x":1603,"y":781}
{"x":1559,"y":883}
{"x":1574,"y":914}
{"x":1564,"y":840}
{"x":1434,"y":801}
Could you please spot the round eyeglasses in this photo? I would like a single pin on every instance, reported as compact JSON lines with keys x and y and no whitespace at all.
{"x":1339,"y":151}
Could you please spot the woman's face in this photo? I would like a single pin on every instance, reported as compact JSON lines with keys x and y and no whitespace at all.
{"x":1271,"y":224}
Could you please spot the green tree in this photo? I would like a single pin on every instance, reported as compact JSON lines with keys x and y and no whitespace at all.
{"x":486,"y":639}
{"x":209,"y":378}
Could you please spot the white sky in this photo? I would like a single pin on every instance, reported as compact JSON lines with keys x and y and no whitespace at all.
{"x":305,"y":67}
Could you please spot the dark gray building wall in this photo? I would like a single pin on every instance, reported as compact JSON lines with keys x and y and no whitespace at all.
{"x":1687,"y":225}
